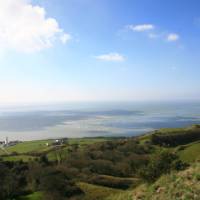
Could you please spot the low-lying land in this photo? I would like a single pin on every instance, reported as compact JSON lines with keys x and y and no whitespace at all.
{"x":159,"y":165}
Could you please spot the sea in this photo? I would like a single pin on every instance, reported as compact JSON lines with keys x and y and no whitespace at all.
{"x":93,"y":119}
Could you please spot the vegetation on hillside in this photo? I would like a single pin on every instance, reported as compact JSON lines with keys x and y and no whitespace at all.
{"x":175,"y":137}
{"x":101,"y":169}
{"x":182,"y":185}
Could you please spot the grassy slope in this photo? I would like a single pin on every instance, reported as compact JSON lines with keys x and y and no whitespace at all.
{"x":125,"y":195}
{"x":34,"y":196}
{"x":184,"y":185}
{"x":94,"y":192}
{"x":190,"y":153}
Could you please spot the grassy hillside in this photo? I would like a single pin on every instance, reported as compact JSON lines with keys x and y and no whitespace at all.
{"x":182,"y":185}
{"x":106,"y":168}
{"x":190,"y":153}
{"x":176,"y":136}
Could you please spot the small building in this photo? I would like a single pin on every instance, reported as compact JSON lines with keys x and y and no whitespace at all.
{"x":60,"y":141}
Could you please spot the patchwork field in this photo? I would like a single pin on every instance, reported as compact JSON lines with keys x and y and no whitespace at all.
{"x":28,"y":150}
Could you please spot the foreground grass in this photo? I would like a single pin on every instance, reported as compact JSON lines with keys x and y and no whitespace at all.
{"x":126,"y":195}
{"x":183,"y":185}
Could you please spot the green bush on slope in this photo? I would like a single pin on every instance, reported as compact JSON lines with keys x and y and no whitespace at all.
{"x":160,"y":163}
{"x":184,"y":185}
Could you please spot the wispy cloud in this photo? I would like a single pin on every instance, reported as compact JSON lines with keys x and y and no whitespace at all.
{"x":154,"y":35}
{"x":116,"y":57}
{"x":65,"y":38}
{"x":172,"y":37}
{"x":152,"y":32}
{"x":141,"y":27}
{"x":25,"y":27}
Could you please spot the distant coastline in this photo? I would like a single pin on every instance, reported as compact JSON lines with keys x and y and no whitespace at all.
{"x":96,"y":120}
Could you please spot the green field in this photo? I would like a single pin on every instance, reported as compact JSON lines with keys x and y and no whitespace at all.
{"x":39,"y":146}
{"x":30,"y":146}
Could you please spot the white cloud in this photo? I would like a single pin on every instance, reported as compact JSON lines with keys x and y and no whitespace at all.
{"x":25,"y":27}
{"x":111,"y":57}
{"x":150,"y":31}
{"x":141,"y":27}
{"x":172,"y":37}
{"x":65,"y":38}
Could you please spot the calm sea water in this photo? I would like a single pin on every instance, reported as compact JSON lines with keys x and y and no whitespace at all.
{"x":94,"y":119}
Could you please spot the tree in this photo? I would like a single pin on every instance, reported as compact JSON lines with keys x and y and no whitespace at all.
{"x":160,"y":163}
{"x":57,"y":186}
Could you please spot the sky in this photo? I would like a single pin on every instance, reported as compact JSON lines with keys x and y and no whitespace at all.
{"x":99,"y":50}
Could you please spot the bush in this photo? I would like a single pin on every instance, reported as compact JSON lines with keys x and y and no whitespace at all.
{"x":175,"y":139}
{"x":161,"y":163}
{"x":57,"y":186}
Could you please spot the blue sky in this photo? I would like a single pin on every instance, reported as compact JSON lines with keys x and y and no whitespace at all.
{"x":99,"y":50}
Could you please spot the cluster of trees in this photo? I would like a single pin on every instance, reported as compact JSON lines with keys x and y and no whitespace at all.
{"x":122,"y":158}
{"x":12,"y":179}
{"x":19,"y":178}
{"x":175,"y":139}
{"x":161,"y":162}
{"x":55,"y":183}
{"x":115,"y":158}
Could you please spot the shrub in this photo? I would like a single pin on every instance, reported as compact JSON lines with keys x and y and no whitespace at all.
{"x":56,"y":185}
{"x":176,"y":138}
{"x":160,"y":163}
